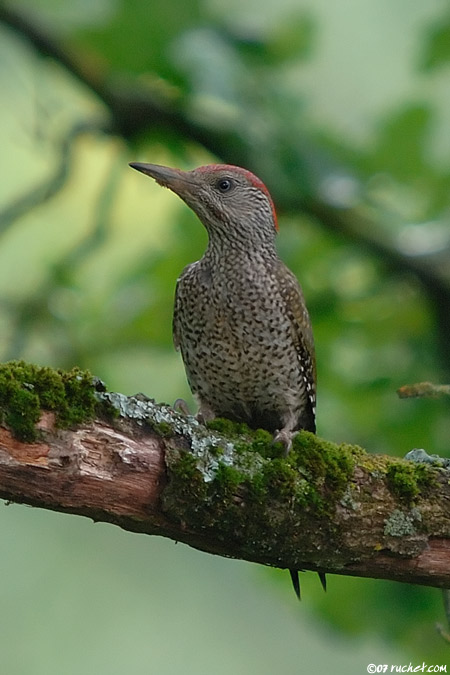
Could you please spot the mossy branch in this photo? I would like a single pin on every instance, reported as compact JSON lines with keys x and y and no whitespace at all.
{"x":68,"y":445}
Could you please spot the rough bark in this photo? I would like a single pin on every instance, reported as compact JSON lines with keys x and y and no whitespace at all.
{"x":154,"y":471}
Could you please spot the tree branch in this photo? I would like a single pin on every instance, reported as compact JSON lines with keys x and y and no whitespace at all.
{"x":326,"y":508}
{"x":149,"y":469}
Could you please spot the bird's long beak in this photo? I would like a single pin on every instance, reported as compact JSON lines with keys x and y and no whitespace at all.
{"x":176,"y":180}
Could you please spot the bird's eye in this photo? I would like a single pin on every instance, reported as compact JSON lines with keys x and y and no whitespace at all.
{"x":224,"y":184}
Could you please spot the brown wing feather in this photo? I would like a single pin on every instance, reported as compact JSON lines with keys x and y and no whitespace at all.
{"x":292,"y":295}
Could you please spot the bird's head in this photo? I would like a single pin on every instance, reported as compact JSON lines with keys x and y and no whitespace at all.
{"x":232,"y":203}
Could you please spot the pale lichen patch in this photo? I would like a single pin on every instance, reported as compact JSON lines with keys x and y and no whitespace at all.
{"x":211,"y":450}
{"x":401,"y":524}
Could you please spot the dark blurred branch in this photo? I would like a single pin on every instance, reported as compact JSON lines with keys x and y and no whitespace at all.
{"x":51,"y":184}
{"x":151,"y":470}
{"x":433,"y":270}
{"x":132,"y":107}
{"x":37,"y":35}
{"x":135,"y":107}
{"x":36,"y":307}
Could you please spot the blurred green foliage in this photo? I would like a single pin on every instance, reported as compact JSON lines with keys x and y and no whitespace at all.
{"x":343,"y":105}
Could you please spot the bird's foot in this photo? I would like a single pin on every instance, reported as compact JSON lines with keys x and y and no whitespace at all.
{"x":285,"y":437}
{"x":181,"y":406}
{"x":205,"y":413}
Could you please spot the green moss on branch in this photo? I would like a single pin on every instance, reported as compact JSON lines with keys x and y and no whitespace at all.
{"x":255,"y":488}
{"x":228,"y":488}
{"x":408,"y":480}
{"x":26,"y":390}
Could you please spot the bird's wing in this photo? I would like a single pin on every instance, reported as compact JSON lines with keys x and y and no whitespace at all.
{"x":294,"y":301}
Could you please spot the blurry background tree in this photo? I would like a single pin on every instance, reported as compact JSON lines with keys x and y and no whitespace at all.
{"x":342,"y":109}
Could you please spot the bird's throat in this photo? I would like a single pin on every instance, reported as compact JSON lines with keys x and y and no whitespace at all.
{"x":231,"y":255}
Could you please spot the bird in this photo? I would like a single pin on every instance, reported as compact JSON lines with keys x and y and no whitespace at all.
{"x":240,"y":318}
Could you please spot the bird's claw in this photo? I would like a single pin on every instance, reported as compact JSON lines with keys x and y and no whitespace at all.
{"x":285,"y":438}
{"x":181,"y":406}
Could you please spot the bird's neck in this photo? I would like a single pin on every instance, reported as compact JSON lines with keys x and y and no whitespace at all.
{"x":232,"y":253}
